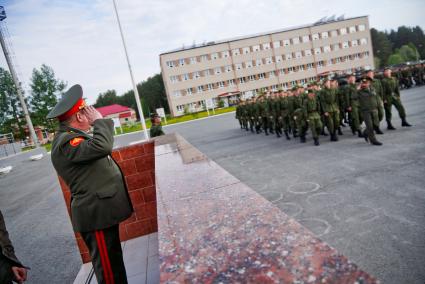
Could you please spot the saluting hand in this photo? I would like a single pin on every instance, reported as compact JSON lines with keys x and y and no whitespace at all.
{"x":92,"y":114}
{"x":19,"y":274}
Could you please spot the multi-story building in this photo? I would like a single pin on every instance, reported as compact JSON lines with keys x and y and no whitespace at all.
{"x":279,"y":59}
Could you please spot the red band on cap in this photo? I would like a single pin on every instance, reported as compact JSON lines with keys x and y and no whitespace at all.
{"x":76,"y":108}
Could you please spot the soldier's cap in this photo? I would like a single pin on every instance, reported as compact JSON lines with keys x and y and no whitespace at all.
{"x":71,"y":102}
{"x":365,"y":79}
{"x":294,"y":88}
{"x":349,"y":74}
{"x":387,"y":68}
{"x":154,"y":115}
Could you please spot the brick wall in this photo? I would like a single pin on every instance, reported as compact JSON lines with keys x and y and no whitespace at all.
{"x":137,"y":162}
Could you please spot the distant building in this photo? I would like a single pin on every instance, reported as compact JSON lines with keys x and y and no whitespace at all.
{"x":125,"y":114}
{"x":223,"y":70}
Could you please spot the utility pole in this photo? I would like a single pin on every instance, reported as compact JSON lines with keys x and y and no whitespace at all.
{"x":136,"y":93}
{"x":16,"y":81}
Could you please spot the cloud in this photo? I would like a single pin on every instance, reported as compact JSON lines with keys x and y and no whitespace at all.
{"x":80,"y":40}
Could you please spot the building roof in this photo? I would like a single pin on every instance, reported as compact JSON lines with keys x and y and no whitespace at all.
{"x":112,"y":109}
{"x":322,"y":21}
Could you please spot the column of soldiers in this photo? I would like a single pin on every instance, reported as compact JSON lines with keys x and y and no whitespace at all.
{"x":326,"y":106}
{"x":410,"y":75}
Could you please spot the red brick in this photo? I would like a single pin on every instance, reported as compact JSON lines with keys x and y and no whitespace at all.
{"x":151,"y":209}
{"x":141,"y":211}
{"x":149,"y":147}
{"x":116,"y":156}
{"x":123,"y":232}
{"x":139,"y":180}
{"x":138,"y":229}
{"x":153,"y":177}
{"x":131,"y":219}
{"x":85,"y":257}
{"x":136,"y":197}
{"x":144,"y":163}
{"x":128,"y":167}
{"x":149,"y":194}
{"x":154,"y":225}
{"x":132,"y":151}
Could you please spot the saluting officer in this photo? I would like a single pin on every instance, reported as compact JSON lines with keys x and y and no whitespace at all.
{"x":99,"y":198}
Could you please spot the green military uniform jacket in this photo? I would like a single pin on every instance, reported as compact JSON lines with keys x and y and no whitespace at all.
{"x":352,"y":97}
{"x":328,"y":100}
{"x":368,"y":99}
{"x":390,"y":88}
{"x":311,"y":107}
{"x":99,"y":197}
{"x":6,"y":246}
{"x":377,"y":86}
{"x":156,"y":130}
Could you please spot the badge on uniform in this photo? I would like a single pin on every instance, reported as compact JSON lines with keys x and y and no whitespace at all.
{"x":76,"y":141}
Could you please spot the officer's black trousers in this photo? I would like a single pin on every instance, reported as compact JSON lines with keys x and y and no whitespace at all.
{"x":106,"y":254}
{"x":6,"y":275}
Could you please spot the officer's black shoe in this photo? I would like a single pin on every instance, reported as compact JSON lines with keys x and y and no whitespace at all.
{"x":316,"y":141}
{"x":378,"y":130}
{"x":404,"y":123}
{"x":376,"y":143}
{"x":360,"y":134}
{"x":340,"y":131}
{"x":277,"y":134}
{"x":366,"y":137}
{"x":271,"y":131}
{"x":295,"y":134}
{"x":353,"y":131}
{"x":390,"y":126}
{"x":287,"y":135}
{"x":336,"y":137}
{"x":302,"y":139}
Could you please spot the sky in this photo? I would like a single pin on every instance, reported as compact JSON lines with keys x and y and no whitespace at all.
{"x":80,"y":39}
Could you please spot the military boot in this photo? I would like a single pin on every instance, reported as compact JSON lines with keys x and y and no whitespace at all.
{"x":340,"y":131}
{"x":278,"y":133}
{"x":390,"y":126}
{"x":404,"y":123}
{"x":336,"y":137}
{"x":252,"y":129}
{"x":353,"y":131}
{"x":378,"y":130}
{"x":294,"y":132}
{"x":316,"y":141}
{"x":287,"y":135}
{"x":376,"y":142}
{"x":265,"y":130}
{"x":302,"y":138}
{"x":359,"y":133}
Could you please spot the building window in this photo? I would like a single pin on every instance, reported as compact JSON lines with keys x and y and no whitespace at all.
{"x":189,"y":91}
{"x":309,"y":66}
{"x":293,"y":83}
{"x":325,"y":35}
{"x":274,"y":88}
{"x":303,"y":81}
{"x":276,"y":44}
{"x":256,"y":48}
{"x":298,"y":54}
{"x":272,"y":74}
{"x":363,"y":41}
{"x":225,"y":54}
{"x":356,"y":56}
{"x":235,"y":52}
{"x":354,"y":43}
{"x":251,"y":77}
{"x":337,"y":60}
{"x":288,"y":56}
{"x":345,"y":44}
{"x":285,"y":86}
{"x":200,"y":89}
{"x":320,"y":64}
{"x":343,"y":31}
{"x":307,"y":52}
{"x":217,"y":70}
{"x":180,"y":108}
{"x":278,"y":58}
{"x":177,"y":94}
{"x":242,"y":80}
{"x":170,"y":64}
{"x":228,"y":68}
{"x":282,"y":71}
{"x":185,"y":77}
{"x":221,"y":84}
{"x":326,"y":49}
{"x":245,"y":50}
{"x":207,"y":72}
{"x":238,"y":66}
{"x":261,"y":76}
{"x":329,"y":62}
{"x":196,"y":75}
{"x":210,"y":87}
{"x":315,"y":36}
{"x":248,"y":64}
{"x":291,"y":70}
{"x":258,"y":62}
{"x":286,"y":42}
{"x":317,"y":50}
{"x":192,"y":60}
{"x":295,"y":40}
{"x":352,"y":29}
{"x":301,"y":68}
{"x":214,"y":56}
{"x":173,"y":79}
{"x":204,"y":58}
{"x":366,"y":54}
{"x":306,"y":38}
{"x":336,"y":46}
{"x":361,"y":27}
{"x":231,"y":82}
{"x":334,"y":33}
{"x":181,"y":62}
{"x":269,"y":60}
{"x":266,"y":45}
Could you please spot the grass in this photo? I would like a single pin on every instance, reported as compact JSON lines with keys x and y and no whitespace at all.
{"x":172,"y":120}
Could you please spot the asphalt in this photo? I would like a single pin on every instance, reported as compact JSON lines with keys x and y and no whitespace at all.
{"x":366,"y":201}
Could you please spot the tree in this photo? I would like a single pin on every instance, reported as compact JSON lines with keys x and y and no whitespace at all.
{"x":395,"y":59}
{"x":407,"y":53}
{"x":107,"y":98}
{"x":153,"y":92}
{"x":382,"y":46}
{"x":45,"y":89}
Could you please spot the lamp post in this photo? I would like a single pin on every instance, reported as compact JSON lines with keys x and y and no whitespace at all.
{"x":136,"y":93}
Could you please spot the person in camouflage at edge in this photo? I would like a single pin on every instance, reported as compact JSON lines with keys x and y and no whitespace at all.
{"x":275,"y":109}
{"x":352,"y":97}
{"x":329,"y":107}
{"x":392,"y":97}
{"x":342,"y":103}
{"x":311,"y":109}
{"x":377,"y":86}
{"x":238,"y":114}
{"x":284,"y":113}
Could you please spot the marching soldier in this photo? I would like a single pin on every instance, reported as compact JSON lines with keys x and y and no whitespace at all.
{"x":377,"y":86}
{"x":251,"y":114}
{"x":392,"y":97}
{"x":275,"y":106}
{"x":352,"y":97}
{"x":100,"y":200}
{"x":368,"y":100}
{"x":311,"y":107}
{"x":329,"y":107}
{"x":238,"y":114}
{"x":284,"y":113}
{"x":156,"y":128}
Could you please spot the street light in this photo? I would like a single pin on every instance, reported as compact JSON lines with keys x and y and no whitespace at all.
{"x":136,"y":93}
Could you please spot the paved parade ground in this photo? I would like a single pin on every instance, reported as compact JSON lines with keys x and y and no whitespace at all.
{"x":366,"y":201}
